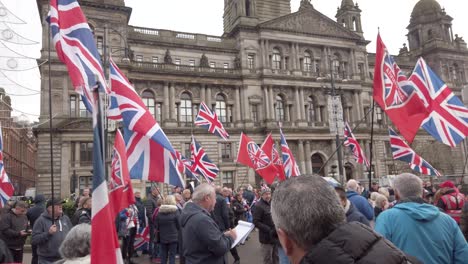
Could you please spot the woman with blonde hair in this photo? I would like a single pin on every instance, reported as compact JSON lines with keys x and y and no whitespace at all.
{"x":167,"y":223}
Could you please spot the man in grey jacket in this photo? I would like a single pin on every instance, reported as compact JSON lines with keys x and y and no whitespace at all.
{"x":203,"y":242}
{"x":48,"y":234}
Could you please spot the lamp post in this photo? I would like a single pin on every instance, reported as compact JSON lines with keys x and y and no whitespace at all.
{"x":335,"y":104}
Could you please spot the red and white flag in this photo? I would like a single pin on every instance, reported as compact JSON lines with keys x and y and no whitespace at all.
{"x":120,"y":186}
{"x":269,"y":148}
{"x":250,"y":154}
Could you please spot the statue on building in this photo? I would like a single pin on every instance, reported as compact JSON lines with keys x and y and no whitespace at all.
{"x":167,"y":57}
{"x":204,"y":61}
{"x":237,"y":62}
{"x":403,"y":51}
{"x":305,"y":4}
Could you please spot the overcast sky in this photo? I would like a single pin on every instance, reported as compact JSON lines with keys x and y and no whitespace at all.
{"x":206,"y":17}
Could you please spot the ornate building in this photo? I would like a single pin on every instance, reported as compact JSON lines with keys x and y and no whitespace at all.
{"x":19,"y":148}
{"x":269,"y":66}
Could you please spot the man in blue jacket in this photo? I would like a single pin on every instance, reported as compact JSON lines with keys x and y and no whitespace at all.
{"x":358,"y":201}
{"x":420,"y":229}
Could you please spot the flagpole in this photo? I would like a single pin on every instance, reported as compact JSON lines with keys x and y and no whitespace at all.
{"x":370,"y":146}
{"x":50,"y":127}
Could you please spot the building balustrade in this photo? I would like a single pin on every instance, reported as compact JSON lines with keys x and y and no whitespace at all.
{"x":163,"y":67}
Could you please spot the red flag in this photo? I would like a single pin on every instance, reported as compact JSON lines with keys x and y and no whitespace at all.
{"x":268,"y":147}
{"x":120,"y":186}
{"x":395,"y":94}
{"x":250,"y":154}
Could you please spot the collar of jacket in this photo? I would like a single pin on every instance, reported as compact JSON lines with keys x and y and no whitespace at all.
{"x":412,"y":199}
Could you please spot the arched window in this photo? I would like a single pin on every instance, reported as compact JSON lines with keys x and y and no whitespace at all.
{"x":307,"y":62}
{"x":279,"y":108}
{"x":317,"y":163}
{"x":185,"y":108}
{"x":343,"y":23}
{"x":429,"y":34}
{"x":221,"y":108}
{"x":276,"y":59}
{"x":336,"y":65}
{"x":354,"y":24}
{"x":310,"y":110}
{"x":148,"y":100}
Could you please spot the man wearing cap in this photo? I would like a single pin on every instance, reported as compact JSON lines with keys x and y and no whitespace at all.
{"x":451,"y":201}
{"x":267,"y":232}
{"x":48,"y":234}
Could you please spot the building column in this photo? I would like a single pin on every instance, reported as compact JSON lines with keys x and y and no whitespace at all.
{"x":302,"y":103}
{"x":263,"y":49}
{"x":166,"y":101}
{"x":308,"y":161}
{"x":202,"y":93}
{"x":172,"y":115}
{"x":318,"y":113}
{"x":293,"y":56}
{"x":266,"y":102}
{"x":208,"y":96}
{"x":287,"y":117}
{"x":245,"y":102}
{"x":298,"y":109}
{"x":301,"y":162}
{"x":237,"y":107}
{"x":272,"y":102}
{"x":267,"y":44}
{"x":357,"y":109}
{"x":298,"y":61}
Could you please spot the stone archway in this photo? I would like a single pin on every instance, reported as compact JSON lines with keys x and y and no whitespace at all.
{"x":317,"y":163}
{"x":349,"y":171}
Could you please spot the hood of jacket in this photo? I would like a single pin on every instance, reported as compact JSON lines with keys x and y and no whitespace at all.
{"x":189,"y":211}
{"x":418,"y":211}
{"x":351,"y":194}
{"x":167,"y":209}
{"x":39,"y":199}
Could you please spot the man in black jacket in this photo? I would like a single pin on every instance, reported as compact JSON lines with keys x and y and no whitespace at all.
{"x":151,"y":204}
{"x":221,"y":211}
{"x":203,"y":242}
{"x":14,"y":230}
{"x":33,"y":214}
{"x":311,"y":226}
{"x":267,"y":234}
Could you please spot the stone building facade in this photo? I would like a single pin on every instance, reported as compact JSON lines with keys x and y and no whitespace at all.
{"x":19,"y":148}
{"x":269,"y":66}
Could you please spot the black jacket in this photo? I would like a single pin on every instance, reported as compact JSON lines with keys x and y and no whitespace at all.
{"x":464,"y":221}
{"x":151,"y":204}
{"x":249,"y":196}
{"x":36,"y":211}
{"x":355,"y":243}
{"x":167,"y":222}
{"x":221,"y":213}
{"x":141,"y":211}
{"x":353,"y":215}
{"x":10,"y":227}
{"x":203,"y":243}
{"x":238,"y":209}
{"x":5,"y":255}
{"x":263,"y":221}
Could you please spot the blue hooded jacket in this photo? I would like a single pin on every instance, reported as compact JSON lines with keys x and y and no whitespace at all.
{"x":422,"y":231}
{"x":361,"y":204}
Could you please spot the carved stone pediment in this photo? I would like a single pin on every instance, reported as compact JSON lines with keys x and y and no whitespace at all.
{"x":76,"y":123}
{"x":310,"y":21}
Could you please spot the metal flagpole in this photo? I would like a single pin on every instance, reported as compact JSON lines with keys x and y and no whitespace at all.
{"x":370,"y":146}
{"x":50,"y":130}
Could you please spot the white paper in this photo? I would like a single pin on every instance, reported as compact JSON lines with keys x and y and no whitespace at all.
{"x":243,"y":230}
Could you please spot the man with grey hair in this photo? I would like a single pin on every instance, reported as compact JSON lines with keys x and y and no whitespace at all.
{"x":420,"y":229}
{"x":76,"y":247}
{"x":358,"y":201}
{"x":311,"y":226}
{"x":203,"y":242}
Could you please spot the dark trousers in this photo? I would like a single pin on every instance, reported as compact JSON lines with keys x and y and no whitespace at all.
{"x":234,"y":253}
{"x":127,"y":244}
{"x":168,"y":251}
{"x":35,"y":258}
{"x":17,"y":255}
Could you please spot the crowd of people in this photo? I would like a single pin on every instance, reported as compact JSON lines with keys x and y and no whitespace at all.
{"x":301,"y":220}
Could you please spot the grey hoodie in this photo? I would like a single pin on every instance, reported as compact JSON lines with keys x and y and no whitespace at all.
{"x":47,"y":244}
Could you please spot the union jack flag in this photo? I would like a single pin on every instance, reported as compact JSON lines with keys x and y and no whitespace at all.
{"x":201,"y":164}
{"x":395,"y":95}
{"x":448,"y":117}
{"x":401,"y":151}
{"x":142,"y":237}
{"x":126,"y":105}
{"x":184,"y":165}
{"x":291,"y":169}
{"x":76,"y":48}
{"x":209,"y":120}
{"x":6,"y":188}
{"x":351,"y":142}
{"x":148,"y":160}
